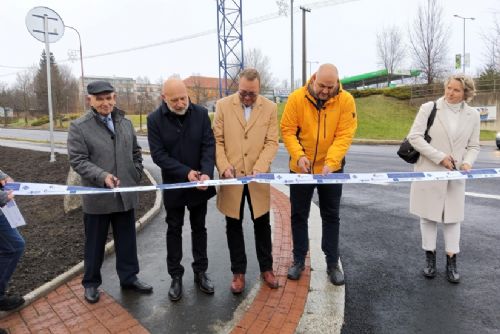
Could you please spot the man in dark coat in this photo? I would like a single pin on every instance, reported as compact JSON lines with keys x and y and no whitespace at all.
{"x":103,"y":150}
{"x":182,"y":144}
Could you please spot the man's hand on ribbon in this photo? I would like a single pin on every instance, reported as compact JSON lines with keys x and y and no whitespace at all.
{"x":111,"y":181}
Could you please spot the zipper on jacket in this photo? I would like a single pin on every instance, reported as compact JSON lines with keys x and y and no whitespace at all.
{"x":324,"y":128}
{"x":317,"y":133}
{"x":317,"y":142}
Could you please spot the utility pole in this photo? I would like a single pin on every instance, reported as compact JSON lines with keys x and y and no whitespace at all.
{"x":291,"y":47}
{"x":304,"y":57}
{"x":464,"y":18}
{"x":81,"y":66}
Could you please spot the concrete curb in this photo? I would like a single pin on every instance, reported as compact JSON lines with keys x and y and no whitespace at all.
{"x":324,"y":309}
{"x":110,"y":246}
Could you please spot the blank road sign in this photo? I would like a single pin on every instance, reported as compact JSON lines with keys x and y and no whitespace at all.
{"x":35,"y":24}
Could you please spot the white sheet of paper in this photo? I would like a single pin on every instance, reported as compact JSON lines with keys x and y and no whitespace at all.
{"x":13,"y":215}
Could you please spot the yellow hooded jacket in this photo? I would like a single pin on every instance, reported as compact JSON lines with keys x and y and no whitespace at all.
{"x":322,"y":133}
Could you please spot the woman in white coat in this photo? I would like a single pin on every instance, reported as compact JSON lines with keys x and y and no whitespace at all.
{"x":454,"y":145}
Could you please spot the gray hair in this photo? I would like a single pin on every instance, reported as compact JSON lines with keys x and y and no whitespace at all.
{"x":467,"y":85}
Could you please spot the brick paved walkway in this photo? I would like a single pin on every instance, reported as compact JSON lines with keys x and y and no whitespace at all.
{"x":272,"y":311}
{"x":278,"y":310}
{"x":65,"y":311}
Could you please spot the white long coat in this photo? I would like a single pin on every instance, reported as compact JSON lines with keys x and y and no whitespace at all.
{"x":442,"y":201}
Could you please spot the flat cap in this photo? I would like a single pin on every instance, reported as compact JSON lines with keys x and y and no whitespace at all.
{"x":98,"y":87}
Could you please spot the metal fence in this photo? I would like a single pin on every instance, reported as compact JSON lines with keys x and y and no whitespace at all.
{"x":437,"y":89}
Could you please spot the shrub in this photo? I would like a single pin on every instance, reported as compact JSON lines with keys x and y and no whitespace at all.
{"x":366,"y":92}
{"x":400,"y":93}
{"x":70,"y":117}
{"x":40,"y":121}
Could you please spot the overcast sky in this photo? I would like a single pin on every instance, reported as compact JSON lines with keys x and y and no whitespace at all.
{"x":341,"y":32}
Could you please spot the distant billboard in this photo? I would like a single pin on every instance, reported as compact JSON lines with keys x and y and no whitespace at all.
{"x":8,"y":111}
{"x":281,"y":92}
{"x":487,"y":113}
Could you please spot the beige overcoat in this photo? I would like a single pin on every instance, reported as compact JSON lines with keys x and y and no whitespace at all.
{"x":246,"y":146}
{"x":442,"y":201}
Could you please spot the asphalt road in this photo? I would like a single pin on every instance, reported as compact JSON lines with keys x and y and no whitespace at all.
{"x":381,"y":254}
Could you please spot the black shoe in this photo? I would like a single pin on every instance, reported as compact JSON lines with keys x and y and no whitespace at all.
{"x":204,"y":282}
{"x":451,"y":269}
{"x":91,"y":294}
{"x":138,"y":286}
{"x":335,"y":275}
{"x":3,"y":331}
{"x":8,"y":303}
{"x":175,"y":292}
{"x":430,"y":264}
{"x":295,"y":270}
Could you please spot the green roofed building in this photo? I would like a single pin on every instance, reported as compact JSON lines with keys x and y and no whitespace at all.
{"x":377,"y":77}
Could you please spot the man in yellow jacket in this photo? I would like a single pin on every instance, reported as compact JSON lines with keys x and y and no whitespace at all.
{"x":317,"y":127}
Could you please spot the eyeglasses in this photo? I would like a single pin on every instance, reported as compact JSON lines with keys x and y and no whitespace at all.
{"x":244,"y":93}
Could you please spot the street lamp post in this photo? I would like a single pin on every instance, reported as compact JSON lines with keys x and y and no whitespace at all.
{"x":464,"y":18}
{"x":81,"y":66}
{"x":304,"y":56}
{"x":291,"y":47}
{"x":310,"y":66}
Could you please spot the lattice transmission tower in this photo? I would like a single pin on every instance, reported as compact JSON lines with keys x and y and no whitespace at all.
{"x":230,"y":35}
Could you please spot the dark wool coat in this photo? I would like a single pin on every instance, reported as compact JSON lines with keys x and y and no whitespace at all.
{"x":177,"y":148}
{"x":94,"y":151}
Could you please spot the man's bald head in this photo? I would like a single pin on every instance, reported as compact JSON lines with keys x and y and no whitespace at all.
{"x":325,"y":82}
{"x":174,"y":93}
{"x":327,"y":72}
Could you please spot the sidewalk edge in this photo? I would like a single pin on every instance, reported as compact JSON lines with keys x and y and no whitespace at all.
{"x":324,"y":309}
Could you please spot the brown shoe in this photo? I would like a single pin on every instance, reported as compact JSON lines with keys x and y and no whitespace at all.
{"x":269,"y":278}
{"x":238,"y":284}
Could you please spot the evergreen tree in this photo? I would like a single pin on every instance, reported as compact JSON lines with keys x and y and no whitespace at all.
{"x":64,"y":88}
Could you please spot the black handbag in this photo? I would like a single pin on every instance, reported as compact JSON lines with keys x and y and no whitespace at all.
{"x":406,"y":151}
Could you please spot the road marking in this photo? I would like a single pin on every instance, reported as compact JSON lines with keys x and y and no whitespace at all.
{"x":497,"y":197}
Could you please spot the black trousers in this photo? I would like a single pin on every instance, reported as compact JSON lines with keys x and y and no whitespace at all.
{"x":96,"y":232}
{"x":329,"y":206}
{"x":175,"y":221}
{"x":236,"y":241}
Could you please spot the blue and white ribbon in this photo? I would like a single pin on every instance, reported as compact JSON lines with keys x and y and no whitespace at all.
{"x":22,"y":188}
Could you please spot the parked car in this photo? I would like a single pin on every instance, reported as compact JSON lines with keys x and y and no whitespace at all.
{"x":498,"y":140}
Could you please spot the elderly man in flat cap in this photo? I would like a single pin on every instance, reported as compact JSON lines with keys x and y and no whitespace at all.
{"x":103,"y":150}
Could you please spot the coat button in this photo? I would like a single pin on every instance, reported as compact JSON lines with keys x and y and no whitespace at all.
{"x":242,"y":172}
{"x":246,"y":137}
{"x":245,"y":154}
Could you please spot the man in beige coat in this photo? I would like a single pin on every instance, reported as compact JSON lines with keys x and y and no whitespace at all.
{"x":246,"y":136}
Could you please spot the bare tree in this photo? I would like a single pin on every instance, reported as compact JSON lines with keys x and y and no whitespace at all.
{"x":197,"y":92}
{"x":492,"y":46}
{"x":429,"y":40}
{"x":25,"y":90}
{"x":66,"y":92}
{"x":175,"y":76}
{"x":390,"y":49}
{"x":254,"y":58}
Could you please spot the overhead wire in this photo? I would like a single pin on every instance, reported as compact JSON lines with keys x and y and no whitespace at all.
{"x":259,"y":19}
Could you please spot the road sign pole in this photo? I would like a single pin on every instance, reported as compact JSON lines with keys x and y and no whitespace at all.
{"x":37,"y":18}
{"x":49,"y":87}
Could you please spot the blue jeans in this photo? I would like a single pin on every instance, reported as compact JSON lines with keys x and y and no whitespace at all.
{"x":11,"y":249}
{"x":329,"y":205}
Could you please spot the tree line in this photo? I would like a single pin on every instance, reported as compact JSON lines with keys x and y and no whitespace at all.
{"x":427,"y":45}
{"x":28,"y":96}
